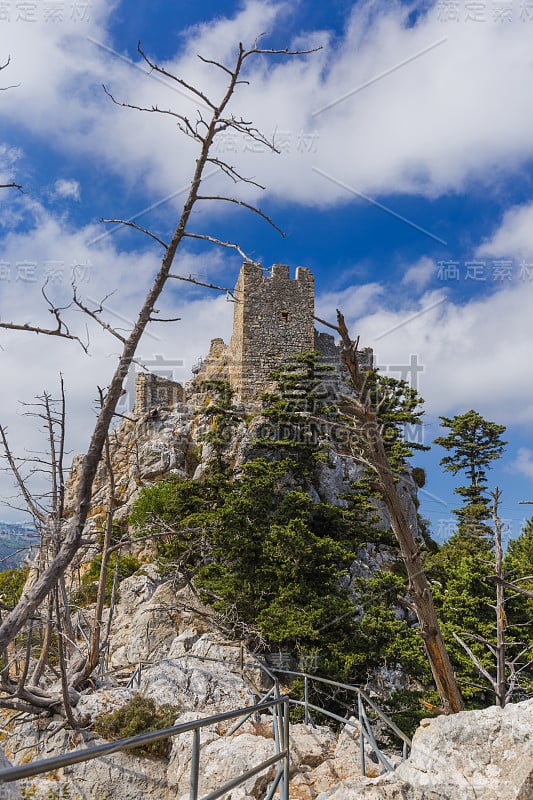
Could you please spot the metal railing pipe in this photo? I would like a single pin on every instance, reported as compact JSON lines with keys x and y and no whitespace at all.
{"x":249,"y":774}
{"x":362,"y":729}
{"x":195,"y":765}
{"x":392,"y":725}
{"x":371,"y":738}
{"x":361,"y":735}
{"x":284,"y":789}
{"x":88,"y":754}
{"x":247,"y":717}
{"x":274,"y":785}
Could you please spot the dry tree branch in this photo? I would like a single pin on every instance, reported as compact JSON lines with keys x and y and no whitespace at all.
{"x":72,"y":530}
{"x":214,"y":240}
{"x":273,"y":52}
{"x":244,"y":205}
{"x":63,"y":665}
{"x":475,"y":660}
{"x":95,"y":315}
{"x":36,"y":511}
{"x":183,"y":122}
{"x":232,"y":173}
{"x":4,"y":89}
{"x":246,"y":129}
{"x":138,"y":228}
{"x":510,"y":585}
{"x":190,"y":279}
{"x":156,"y":68}
{"x":163,"y":319}
{"x":61,"y":330}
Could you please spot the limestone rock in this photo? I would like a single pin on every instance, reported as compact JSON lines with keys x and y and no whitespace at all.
{"x":474,"y":754}
{"x":310,"y":746}
{"x":347,"y":759}
{"x":120,"y":776}
{"x":189,"y":684}
{"x":221,"y":759}
{"x":146,"y":621}
{"x":8,"y":791}
{"x":103,"y":701}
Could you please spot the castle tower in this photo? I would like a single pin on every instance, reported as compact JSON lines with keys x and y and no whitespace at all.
{"x":273,"y":320}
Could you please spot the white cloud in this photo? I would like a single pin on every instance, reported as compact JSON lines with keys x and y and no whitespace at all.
{"x":31,"y":363}
{"x":475,"y":355}
{"x":353,"y":301}
{"x":420,"y":274}
{"x":67,"y":189}
{"x":8,"y":159}
{"x":514,"y":237}
{"x":523,"y":464}
{"x":418,"y":108}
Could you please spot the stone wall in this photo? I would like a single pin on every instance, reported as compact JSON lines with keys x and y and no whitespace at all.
{"x":273,"y":321}
{"x":154,"y":391}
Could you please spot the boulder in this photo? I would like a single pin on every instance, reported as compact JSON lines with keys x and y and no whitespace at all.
{"x":191,"y":685}
{"x":119,"y":776}
{"x":347,"y":758}
{"x":146,"y":621}
{"x":487,"y":753}
{"x":221,"y":759}
{"x":474,"y":755}
{"x":310,"y":746}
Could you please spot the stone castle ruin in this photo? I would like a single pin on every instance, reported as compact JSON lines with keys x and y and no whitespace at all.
{"x":155,"y":391}
{"x":273,"y":320}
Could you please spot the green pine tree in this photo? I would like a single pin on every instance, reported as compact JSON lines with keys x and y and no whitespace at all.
{"x":473,"y":443}
{"x":463,"y":599}
{"x":518,"y":569}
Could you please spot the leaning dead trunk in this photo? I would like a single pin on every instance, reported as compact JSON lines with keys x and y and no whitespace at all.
{"x":364,"y":412}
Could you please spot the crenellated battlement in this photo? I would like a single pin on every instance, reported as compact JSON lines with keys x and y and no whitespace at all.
{"x":273,"y":320}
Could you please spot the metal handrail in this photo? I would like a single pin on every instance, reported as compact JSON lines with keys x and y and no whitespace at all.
{"x":135,"y":677}
{"x":357,"y":689}
{"x":363,"y":721}
{"x":78,"y":756}
{"x":365,"y":729}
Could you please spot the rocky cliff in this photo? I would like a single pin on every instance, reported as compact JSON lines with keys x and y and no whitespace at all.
{"x":479,"y":755}
{"x":165,"y":438}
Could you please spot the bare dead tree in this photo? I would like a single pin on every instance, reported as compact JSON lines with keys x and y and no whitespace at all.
{"x":506,"y":679}
{"x":362,"y":408}
{"x":20,"y":685}
{"x":60,"y":330}
{"x":96,"y":645}
{"x":203,"y":131}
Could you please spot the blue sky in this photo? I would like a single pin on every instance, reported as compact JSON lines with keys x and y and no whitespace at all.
{"x":405,"y":182}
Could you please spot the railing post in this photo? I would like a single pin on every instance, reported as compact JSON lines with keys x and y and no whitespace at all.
{"x":284,"y":789}
{"x":361,"y":737}
{"x":241,"y":661}
{"x":195,"y":764}
{"x":306,"y":700}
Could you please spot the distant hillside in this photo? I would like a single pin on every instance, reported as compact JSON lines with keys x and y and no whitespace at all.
{"x":15,"y":540}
